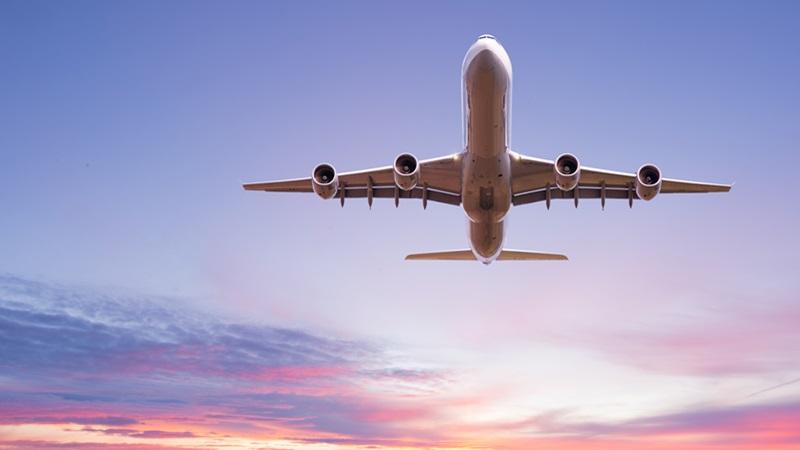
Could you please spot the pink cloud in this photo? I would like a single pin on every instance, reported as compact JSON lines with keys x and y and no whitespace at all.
{"x":736,"y":340}
{"x":155,"y":375}
{"x":745,"y":427}
{"x":296,"y":373}
{"x":50,"y":445}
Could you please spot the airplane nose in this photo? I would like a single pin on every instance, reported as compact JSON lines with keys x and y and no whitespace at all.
{"x":485,"y":58}
{"x":486,"y":55}
{"x":485,"y":69}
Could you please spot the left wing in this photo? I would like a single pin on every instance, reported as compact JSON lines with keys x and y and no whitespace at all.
{"x":440,"y":181}
{"x":532,"y":180}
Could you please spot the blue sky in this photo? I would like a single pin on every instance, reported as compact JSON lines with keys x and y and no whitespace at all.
{"x":126,"y":130}
{"x":130,"y":127}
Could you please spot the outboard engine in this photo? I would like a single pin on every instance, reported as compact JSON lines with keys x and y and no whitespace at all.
{"x":648,"y":182}
{"x":324,"y":181}
{"x":567,"y":171}
{"x":406,"y":171}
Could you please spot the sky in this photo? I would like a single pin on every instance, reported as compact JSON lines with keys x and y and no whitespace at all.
{"x":148,"y":302}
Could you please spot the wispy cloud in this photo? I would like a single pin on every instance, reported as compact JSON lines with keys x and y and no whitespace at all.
{"x":736,"y":420}
{"x":737,"y":340}
{"x":96,"y":371}
{"x":49,"y":445}
{"x":151,"y":434}
{"x":754,"y":426}
{"x":78,"y":357}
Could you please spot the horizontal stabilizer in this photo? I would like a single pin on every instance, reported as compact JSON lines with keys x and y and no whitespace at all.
{"x":467,"y":255}
{"x":451,"y":255}
{"x":522,"y":255}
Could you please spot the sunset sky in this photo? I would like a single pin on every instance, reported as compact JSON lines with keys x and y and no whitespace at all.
{"x":148,"y":302}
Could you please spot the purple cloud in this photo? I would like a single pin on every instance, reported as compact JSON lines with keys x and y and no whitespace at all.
{"x":76,"y":356}
{"x":150,"y":434}
{"x":86,"y":420}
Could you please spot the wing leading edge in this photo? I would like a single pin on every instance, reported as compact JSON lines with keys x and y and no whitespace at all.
{"x":440,"y":182}
{"x":532,"y":181}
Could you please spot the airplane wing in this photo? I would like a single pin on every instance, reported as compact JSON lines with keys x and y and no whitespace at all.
{"x":440,"y":181}
{"x":533,"y":181}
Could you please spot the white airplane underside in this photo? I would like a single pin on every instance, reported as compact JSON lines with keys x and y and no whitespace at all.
{"x":487,"y":177}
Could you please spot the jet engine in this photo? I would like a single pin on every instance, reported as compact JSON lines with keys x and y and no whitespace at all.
{"x":648,"y":182}
{"x":567,"y":171}
{"x":324,"y":181}
{"x":406,"y":171}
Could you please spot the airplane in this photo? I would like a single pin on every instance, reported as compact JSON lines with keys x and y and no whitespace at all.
{"x":487,"y":178}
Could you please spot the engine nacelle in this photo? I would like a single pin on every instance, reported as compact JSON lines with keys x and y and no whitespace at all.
{"x":648,"y":181}
{"x":406,"y":171}
{"x":567,"y":171}
{"x":324,"y":181}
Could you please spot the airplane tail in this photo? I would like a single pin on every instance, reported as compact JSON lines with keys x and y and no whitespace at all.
{"x":467,"y":255}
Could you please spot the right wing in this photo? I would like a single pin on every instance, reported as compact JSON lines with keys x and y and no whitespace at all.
{"x":440,"y":182}
{"x":533,"y":181}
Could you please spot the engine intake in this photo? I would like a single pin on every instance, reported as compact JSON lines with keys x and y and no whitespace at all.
{"x":648,"y":182}
{"x":567,"y":170}
{"x":324,"y":181}
{"x":406,"y":171}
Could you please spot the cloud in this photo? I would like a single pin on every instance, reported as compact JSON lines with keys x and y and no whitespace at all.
{"x":86,"y":420}
{"x":736,"y":340}
{"x":149,"y":434}
{"x":44,"y":329}
{"x":736,"y":420}
{"x":75,"y":356}
{"x":50,"y":445}
{"x":143,"y":374}
{"x":748,"y":426}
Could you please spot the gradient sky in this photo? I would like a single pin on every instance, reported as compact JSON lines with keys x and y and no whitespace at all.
{"x":147,"y":302}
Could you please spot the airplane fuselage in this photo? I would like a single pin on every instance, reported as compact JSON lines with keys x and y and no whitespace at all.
{"x":486,"y":176}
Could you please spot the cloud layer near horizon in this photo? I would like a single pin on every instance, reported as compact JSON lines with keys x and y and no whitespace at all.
{"x":89,"y":359}
{"x":83,"y":369}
